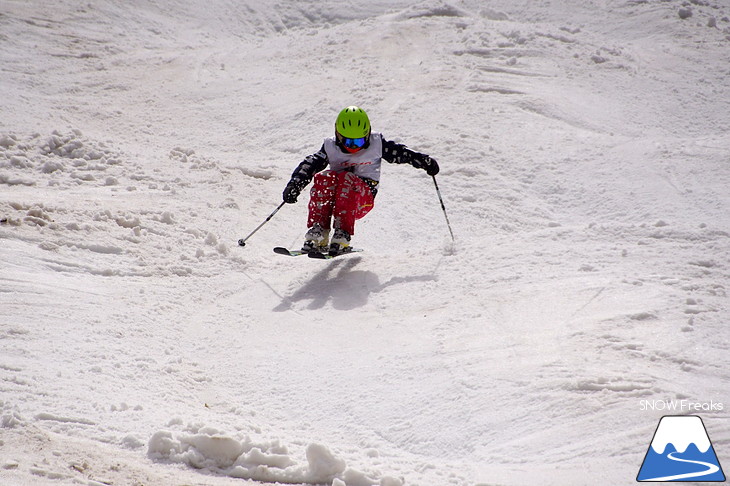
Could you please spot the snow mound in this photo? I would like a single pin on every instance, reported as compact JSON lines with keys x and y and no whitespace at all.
{"x":218,"y":453}
{"x":63,"y":160}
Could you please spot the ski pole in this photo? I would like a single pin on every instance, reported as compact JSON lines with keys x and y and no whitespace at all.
{"x":443,"y":208}
{"x":242,"y":241}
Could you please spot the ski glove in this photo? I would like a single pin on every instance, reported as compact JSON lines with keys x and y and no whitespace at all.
{"x":291,"y":193}
{"x":430,"y":166}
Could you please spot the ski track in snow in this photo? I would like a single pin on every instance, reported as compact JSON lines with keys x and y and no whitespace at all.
{"x":584,"y":151}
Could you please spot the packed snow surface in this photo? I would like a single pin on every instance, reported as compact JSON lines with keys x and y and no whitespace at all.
{"x":585,"y":156}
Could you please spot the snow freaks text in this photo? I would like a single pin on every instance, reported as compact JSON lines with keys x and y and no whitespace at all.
{"x":680,"y":406}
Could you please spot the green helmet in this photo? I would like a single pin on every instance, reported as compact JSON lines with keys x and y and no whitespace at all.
{"x":353,"y":122}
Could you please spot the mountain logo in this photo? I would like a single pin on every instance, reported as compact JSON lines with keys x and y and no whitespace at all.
{"x":680,"y":451}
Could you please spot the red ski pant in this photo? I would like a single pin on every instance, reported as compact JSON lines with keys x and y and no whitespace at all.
{"x":341,"y":195}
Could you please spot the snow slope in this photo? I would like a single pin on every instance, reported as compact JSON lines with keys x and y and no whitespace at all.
{"x":584,"y":149}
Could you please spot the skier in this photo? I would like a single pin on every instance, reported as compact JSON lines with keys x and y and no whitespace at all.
{"x":346,"y":191}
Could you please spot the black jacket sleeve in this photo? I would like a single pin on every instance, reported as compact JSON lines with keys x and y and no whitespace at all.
{"x":305,"y":171}
{"x":397,"y":153}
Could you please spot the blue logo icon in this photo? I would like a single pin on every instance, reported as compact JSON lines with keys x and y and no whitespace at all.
{"x":680,"y":451}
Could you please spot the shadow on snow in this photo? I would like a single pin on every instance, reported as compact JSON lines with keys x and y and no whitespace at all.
{"x":343,"y":286}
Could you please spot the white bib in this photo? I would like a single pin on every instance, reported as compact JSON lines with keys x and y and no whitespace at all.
{"x":363,"y":163}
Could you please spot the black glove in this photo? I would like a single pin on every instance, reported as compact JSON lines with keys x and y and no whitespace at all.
{"x":430,"y":166}
{"x":291,"y":193}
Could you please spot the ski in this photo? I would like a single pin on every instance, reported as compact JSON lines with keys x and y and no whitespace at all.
{"x":285,"y":251}
{"x":313,"y":254}
{"x":326,"y":256}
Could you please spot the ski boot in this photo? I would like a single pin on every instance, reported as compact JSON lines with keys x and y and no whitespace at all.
{"x":316,"y":239}
{"x":340,"y":242}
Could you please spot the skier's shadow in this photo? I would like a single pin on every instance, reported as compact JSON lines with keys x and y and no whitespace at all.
{"x":344,"y":287}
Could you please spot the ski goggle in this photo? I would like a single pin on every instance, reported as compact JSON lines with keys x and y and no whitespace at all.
{"x":353,"y":143}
